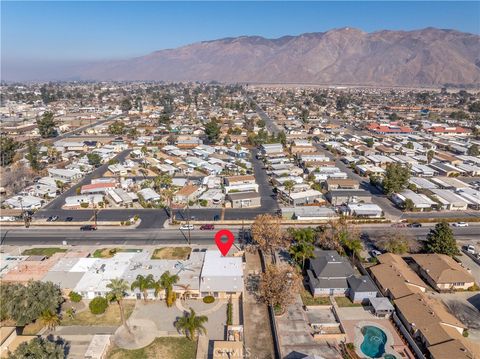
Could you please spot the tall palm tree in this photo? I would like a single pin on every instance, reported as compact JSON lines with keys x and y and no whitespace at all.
{"x":301,"y":251}
{"x":191,"y":324}
{"x":143,"y":284}
{"x":50,"y":319}
{"x":118,"y":290}
{"x":166,"y":282}
{"x":168,"y":195}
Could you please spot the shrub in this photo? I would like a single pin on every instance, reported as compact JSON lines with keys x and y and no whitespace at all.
{"x":75,"y":297}
{"x":208,"y":299}
{"x":84,"y":205}
{"x":203,"y":202}
{"x":98,"y":305}
{"x":229,"y":313}
{"x":465,"y":333}
{"x":136,"y":217}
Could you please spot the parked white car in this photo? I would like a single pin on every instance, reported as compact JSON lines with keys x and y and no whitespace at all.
{"x":375,"y":253}
{"x":460,"y":224}
{"x":186,"y":227}
{"x":471,"y":249}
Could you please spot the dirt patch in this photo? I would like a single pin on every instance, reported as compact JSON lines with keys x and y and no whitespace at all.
{"x":110,"y":317}
{"x":165,"y":348}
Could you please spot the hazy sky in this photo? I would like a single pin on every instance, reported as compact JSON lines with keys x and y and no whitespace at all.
{"x":65,"y":31}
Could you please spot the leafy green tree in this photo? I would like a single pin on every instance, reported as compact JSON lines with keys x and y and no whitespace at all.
{"x":126,"y":104}
{"x":396,"y":178}
{"x":474,"y":107}
{"x":408,"y":205}
{"x":118,"y":290}
{"x":50,"y":319}
{"x":370,"y":142}
{"x":342,"y":103}
{"x":473,"y":150}
{"x":289,"y":186}
{"x":166,"y":282}
{"x":441,"y":240}
{"x":39,"y":348}
{"x":33,"y":155}
{"x":47,"y":125}
{"x":212,"y":130}
{"x":98,"y":305}
{"x":191,"y":324}
{"x":25,"y":304}
{"x":94,"y":159}
{"x":8,"y":148}
{"x":75,"y":297}
{"x":409,"y":145}
{"x":143,"y":284}
{"x":430,"y":155}
{"x":117,"y":128}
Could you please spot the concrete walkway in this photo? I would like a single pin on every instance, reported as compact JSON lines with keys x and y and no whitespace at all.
{"x":210,"y":309}
{"x":258,"y":333}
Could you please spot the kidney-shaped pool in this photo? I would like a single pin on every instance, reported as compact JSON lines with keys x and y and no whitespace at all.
{"x":374,"y":340}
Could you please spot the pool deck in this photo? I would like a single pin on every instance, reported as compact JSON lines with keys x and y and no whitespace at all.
{"x":352,"y":327}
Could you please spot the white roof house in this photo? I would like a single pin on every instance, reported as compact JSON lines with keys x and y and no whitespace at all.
{"x":77,"y":200}
{"x":149,"y":194}
{"x":25,"y":202}
{"x":420,"y":201}
{"x":221,"y":274}
{"x":64,"y":175}
{"x":450,"y":200}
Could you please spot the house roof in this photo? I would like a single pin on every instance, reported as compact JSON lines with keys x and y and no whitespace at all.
{"x":187,"y":190}
{"x":442,"y":268}
{"x":395,"y":275}
{"x":451,"y":349}
{"x":242,"y":195}
{"x":381,"y":304}
{"x":361,"y":284}
{"x":421,"y":310}
{"x":329,"y":264}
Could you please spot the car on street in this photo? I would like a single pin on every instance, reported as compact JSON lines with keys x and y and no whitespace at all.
{"x":471,"y":249}
{"x":186,"y":227}
{"x":460,"y":224}
{"x":68,"y":219}
{"x":216,"y":217}
{"x":88,"y":227}
{"x":55,"y":218}
{"x":414,"y":225}
{"x":207,"y":227}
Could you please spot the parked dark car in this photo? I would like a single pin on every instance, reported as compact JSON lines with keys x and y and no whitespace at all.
{"x":88,"y":227}
{"x":68,"y":219}
{"x":414,"y":225}
{"x":216,"y":217}
{"x":207,"y":227}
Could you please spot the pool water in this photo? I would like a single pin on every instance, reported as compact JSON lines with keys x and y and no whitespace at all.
{"x":374,"y":341}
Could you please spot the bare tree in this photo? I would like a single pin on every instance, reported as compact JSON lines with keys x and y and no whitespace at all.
{"x":398,"y":242}
{"x":267,"y":234}
{"x":278,"y":285}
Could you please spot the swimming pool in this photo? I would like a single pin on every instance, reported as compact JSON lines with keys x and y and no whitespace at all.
{"x":374,"y":340}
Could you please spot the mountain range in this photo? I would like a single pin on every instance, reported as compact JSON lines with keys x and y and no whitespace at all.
{"x":347,"y":56}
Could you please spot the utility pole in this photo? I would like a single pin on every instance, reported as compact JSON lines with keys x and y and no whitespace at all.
{"x":94,"y":212}
{"x":24,"y":216}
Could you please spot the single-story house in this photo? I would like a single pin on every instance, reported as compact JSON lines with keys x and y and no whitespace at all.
{"x":74,"y":201}
{"x":342,"y":196}
{"x":221,"y":276}
{"x":361,"y":289}
{"x":244,"y":199}
{"x":149,"y":194}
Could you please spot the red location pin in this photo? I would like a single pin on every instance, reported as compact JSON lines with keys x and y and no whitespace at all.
{"x":224,"y":247}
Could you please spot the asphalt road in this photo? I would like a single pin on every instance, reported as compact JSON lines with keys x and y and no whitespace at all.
{"x":125,"y":236}
{"x":269,"y":123}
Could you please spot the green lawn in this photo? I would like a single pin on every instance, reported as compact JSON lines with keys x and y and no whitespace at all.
{"x":346,"y":302}
{"x":47,"y":252}
{"x":308,"y":299}
{"x":164,"y":347}
{"x":180,"y":253}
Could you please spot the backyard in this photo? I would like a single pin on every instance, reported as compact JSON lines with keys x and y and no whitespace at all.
{"x":346,"y":302}
{"x":164,"y":347}
{"x":309,"y":300}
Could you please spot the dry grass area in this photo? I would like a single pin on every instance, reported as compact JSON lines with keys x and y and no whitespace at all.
{"x":110,"y":317}
{"x":180,"y":253}
{"x":47,"y":252}
{"x":346,"y":302}
{"x":105,"y":252}
{"x":165,"y":348}
{"x":308,"y":299}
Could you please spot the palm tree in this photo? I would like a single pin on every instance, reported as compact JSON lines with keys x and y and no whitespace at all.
{"x":118,"y":290}
{"x":191,"y":324}
{"x":50,"y":319}
{"x":168,"y":195}
{"x":166,"y":282}
{"x":186,"y":290}
{"x":143,"y":284}
{"x":289,"y":186}
{"x":301,"y":251}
